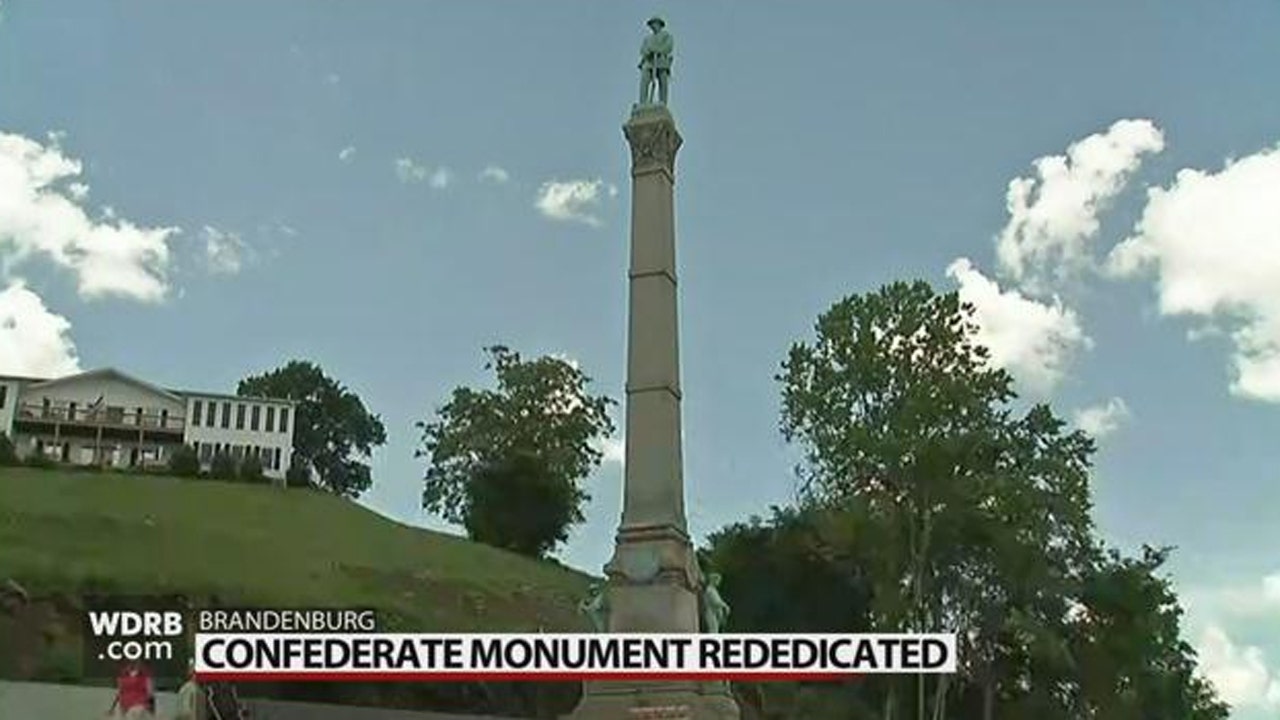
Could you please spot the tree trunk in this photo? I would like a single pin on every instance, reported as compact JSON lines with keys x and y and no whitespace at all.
{"x":988,"y":699}
{"x":940,"y":697}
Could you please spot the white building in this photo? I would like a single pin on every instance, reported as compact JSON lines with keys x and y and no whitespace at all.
{"x":108,"y":418}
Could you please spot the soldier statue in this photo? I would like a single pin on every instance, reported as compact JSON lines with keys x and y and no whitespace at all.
{"x":655,"y":62}
{"x":714,"y":609}
{"x":596,"y":607}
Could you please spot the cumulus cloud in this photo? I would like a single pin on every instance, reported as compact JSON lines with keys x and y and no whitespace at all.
{"x":42,"y":215}
{"x":33,"y":340}
{"x":347,"y":154}
{"x":1239,"y":673}
{"x":571,"y":201}
{"x":1256,"y":599}
{"x":225,"y":251}
{"x":615,"y":450}
{"x":1034,"y":341}
{"x":1053,"y":214}
{"x":440,"y":178}
{"x":408,"y":171}
{"x":1212,"y":241}
{"x":1102,"y":419}
{"x":494,"y":174}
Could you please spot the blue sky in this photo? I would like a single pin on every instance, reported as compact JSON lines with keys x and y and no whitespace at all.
{"x":387,"y":187}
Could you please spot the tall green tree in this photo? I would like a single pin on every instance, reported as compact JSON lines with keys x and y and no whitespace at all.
{"x":541,"y":410}
{"x":962,"y":512}
{"x":334,"y":433}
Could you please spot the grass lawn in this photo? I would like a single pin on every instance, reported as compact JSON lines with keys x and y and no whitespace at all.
{"x":62,"y":533}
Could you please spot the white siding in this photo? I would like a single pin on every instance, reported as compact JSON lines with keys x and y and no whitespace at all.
{"x":115,"y":391}
{"x":216,"y":435}
{"x":9,"y":393}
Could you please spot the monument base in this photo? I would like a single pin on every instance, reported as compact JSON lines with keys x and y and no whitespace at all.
{"x":656,"y":701}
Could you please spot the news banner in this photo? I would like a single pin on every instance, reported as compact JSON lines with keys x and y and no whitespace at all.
{"x":245,"y":645}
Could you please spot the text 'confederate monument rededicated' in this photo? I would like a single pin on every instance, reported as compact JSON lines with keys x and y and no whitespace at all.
{"x":653,"y":580}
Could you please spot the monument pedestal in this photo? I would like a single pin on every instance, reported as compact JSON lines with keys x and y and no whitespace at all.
{"x":653,"y":581}
{"x":669,"y":701}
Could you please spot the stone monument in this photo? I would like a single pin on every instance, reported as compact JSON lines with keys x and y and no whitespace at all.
{"x":653,"y":583}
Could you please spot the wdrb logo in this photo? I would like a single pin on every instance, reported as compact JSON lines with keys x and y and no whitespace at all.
{"x":119,"y":631}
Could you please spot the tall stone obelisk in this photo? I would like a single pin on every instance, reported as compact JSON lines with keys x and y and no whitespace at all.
{"x":653,"y":581}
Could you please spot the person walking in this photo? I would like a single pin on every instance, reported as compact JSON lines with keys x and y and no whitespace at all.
{"x":189,"y":705}
{"x":135,"y":694}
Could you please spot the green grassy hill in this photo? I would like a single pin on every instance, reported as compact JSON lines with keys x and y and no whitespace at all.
{"x":64,"y":533}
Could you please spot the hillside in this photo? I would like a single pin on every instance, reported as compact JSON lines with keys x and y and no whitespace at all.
{"x":62,"y":533}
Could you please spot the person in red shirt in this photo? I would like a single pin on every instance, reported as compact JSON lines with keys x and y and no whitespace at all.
{"x":135,"y":693}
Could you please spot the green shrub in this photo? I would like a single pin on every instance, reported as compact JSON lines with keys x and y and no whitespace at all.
{"x":39,"y":460}
{"x":60,"y":663}
{"x":8,"y":456}
{"x":184,"y":462}
{"x":298,"y":475}
{"x":222,"y":467}
{"x":251,"y":470}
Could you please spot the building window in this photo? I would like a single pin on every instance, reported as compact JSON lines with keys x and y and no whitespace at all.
{"x":284,"y":420}
{"x":44,"y":408}
{"x":164,"y":418}
{"x":138,"y":416}
{"x":4,"y":394}
{"x":196,"y":408}
{"x":271,"y":419}
{"x":206,"y":452}
{"x":275,"y":459}
{"x":71,"y":412}
{"x":210,"y":416}
{"x":226,"y":415}
{"x":239,"y":416}
{"x":254,"y":417}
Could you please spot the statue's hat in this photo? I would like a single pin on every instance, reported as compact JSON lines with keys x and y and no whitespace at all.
{"x":655,"y":20}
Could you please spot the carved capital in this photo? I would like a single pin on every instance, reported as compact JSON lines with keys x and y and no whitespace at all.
{"x":654,"y":141}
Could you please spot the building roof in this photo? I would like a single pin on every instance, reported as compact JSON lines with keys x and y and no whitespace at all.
{"x":108,"y":373}
{"x":238,"y":398}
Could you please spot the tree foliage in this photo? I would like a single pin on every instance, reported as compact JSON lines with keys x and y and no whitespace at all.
{"x":541,"y":408}
{"x":960,"y":511}
{"x":333,"y":432}
{"x":518,"y":504}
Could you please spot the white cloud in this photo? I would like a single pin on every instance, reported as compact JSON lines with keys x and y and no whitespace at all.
{"x":1104,"y":419}
{"x":41,"y":215}
{"x":1239,"y":673}
{"x":225,"y":251}
{"x":1053,"y":215}
{"x":1034,"y":341}
{"x":571,"y":201}
{"x":409,"y":171}
{"x":494,"y":174}
{"x":615,"y":450}
{"x":33,"y":340}
{"x":440,"y":178}
{"x":347,"y":153}
{"x":1253,"y":600}
{"x":1213,"y":242}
